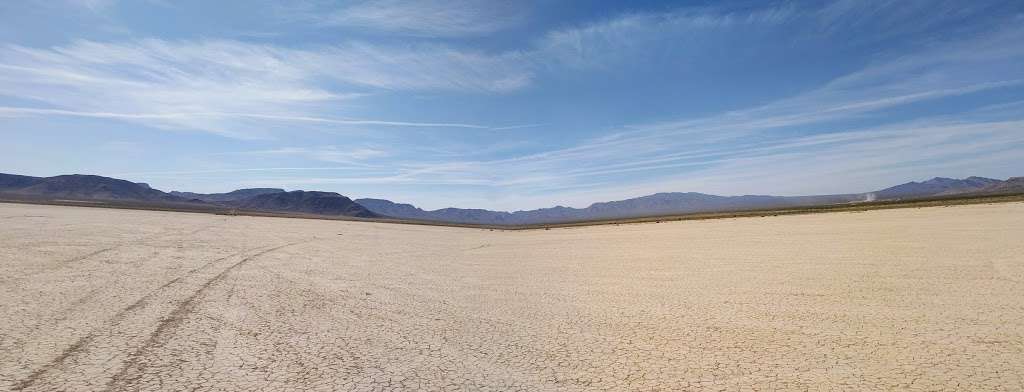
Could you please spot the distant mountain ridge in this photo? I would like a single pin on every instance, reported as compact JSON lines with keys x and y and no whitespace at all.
{"x":235,"y":195}
{"x":80,"y":186}
{"x":651,"y":205}
{"x":676,"y":203}
{"x":937,"y":186}
{"x":90,"y":187}
{"x":1011,"y":185}
{"x":310,"y":202}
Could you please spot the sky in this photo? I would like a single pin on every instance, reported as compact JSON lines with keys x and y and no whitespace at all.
{"x":513,"y":105}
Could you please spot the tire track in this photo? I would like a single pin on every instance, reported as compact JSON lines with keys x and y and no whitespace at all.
{"x":81,"y":346}
{"x":75,"y":307}
{"x":477,"y":247}
{"x":168,"y":325}
{"x":90,"y":254}
{"x":84,"y":341}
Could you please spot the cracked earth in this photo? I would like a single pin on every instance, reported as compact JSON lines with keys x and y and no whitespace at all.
{"x":119,"y":300}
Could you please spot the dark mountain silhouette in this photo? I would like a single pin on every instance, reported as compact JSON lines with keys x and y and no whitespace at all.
{"x":1011,"y":185}
{"x":14,"y":181}
{"x":236,"y":195}
{"x":938,"y":186}
{"x":390,"y":208}
{"x":320,"y":203}
{"x":83,"y":187}
{"x":89,"y":188}
{"x":477,"y":216}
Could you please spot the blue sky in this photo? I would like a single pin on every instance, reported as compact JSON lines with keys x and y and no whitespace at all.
{"x":513,"y":105}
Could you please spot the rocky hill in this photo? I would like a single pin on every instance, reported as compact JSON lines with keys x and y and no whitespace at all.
{"x":320,"y":203}
{"x":236,"y":195}
{"x":938,"y":186}
{"x":83,"y":187}
{"x":97,"y":188}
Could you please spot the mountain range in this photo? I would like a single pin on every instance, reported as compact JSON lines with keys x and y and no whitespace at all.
{"x":236,"y":195}
{"x":652,"y":205}
{"x":306,"y":202}
{"x":83,"y":187}
{"x":91,"y":187}
{"x":97,"y":188}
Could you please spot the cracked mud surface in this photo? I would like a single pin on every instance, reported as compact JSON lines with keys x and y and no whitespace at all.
{"x":118,"y":300}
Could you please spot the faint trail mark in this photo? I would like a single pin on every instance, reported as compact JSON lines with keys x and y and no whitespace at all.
{"x":168,"y":324}
{"x":90,"y":254}
{"x":84,"y":341}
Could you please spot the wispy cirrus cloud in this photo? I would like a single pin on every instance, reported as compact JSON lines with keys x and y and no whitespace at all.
{"x":627,"y":36}
{"x":730,"y":31}
{"x":429,"y":18}
{"x":227,"y":87}
{"x":22,"y":111}
{"x":234,"y":88}
{"x":93,"y":5}
{"x":332,"y":154}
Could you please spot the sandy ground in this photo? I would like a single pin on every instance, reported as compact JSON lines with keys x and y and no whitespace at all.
{"x":915,"y":299}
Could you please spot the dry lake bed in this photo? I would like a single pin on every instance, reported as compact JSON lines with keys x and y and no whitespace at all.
{"x":905,"y":299}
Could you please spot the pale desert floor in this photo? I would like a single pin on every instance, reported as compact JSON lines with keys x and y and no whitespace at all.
{"x":915,"y":299}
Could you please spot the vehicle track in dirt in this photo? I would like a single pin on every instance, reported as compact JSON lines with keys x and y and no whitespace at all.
{"x":162,"y":325}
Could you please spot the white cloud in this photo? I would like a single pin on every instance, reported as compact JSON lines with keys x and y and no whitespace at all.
{"x":728,"y":32}
{"x":331,"y":154}
{"x":433,"y":18}
{"x":419,"y":67}
{"x":229,"y":87}
{"x":8,"y":111}
{"x":640,"y":34}
{"x":233,"y":87}
{"x":93,"y":5}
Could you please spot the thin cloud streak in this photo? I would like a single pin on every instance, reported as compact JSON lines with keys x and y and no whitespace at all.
{"x":428,"y":18}
{"x":233,"y":170}
{"x":219,"y":86}
{"x":14,"y":111}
